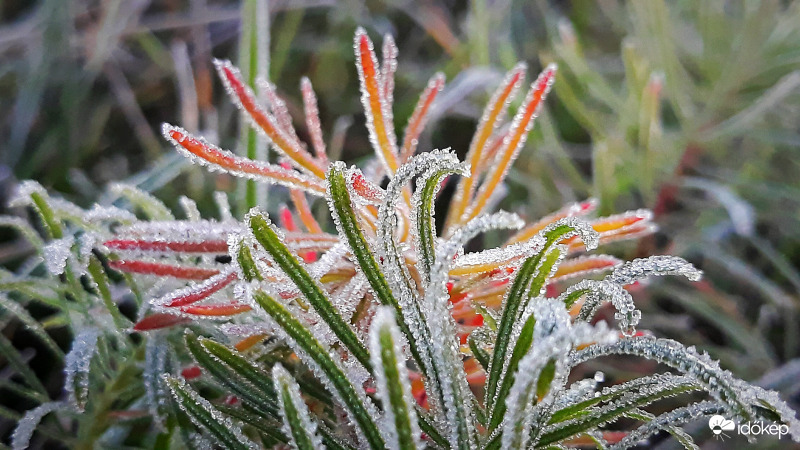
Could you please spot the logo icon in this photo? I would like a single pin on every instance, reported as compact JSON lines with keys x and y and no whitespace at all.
{"x":719,"y":425}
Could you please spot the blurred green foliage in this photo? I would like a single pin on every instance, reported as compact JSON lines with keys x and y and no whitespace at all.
{"x":688,"y":108}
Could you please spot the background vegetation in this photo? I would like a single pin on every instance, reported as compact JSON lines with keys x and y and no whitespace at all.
{"x":687,"y":108}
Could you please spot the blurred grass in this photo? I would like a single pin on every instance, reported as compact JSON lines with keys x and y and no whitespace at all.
{"x":688,"y":108}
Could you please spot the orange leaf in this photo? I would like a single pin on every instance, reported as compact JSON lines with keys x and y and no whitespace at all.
{"x":159,"y":320}
{"x":420,"y":115}
{"x":168,"y":246}
{"x":574,"y":209}
{"x":209,"y":155}
{"x":250,"y":341}
{"x":218,"y":309}
{"x":513,"y":142}
{"x":244,"y":97}
{"x":183,"y":297}
{"x":312,"y":119}
{"x":576,"y":267}
{"x":304,"y":211}
{"x":374,"y":104}
{"x":168,"y":270}
{"x":491,"y":116}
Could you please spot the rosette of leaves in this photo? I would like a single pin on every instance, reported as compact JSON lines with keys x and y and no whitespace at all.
{"x":383,"y":333}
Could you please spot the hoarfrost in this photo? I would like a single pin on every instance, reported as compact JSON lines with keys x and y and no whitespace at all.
{"x":554,"y":342}
{"x":204,"y":404}
{"x":384,"y":322}
{"x":100,"y":213}
{"x":507,"y":254}
{"x":375,"y":133}
{"x":56,"y":253}
{"x":21,"y":438}
{"x":155,"y":364}
{"x":223,"y":206}
{"x":444,"y":347}
{"x":312,"y":118}
{"x":674,"y":418}
{"x":77,"y":364}
{"x":152,"y":207}
{"x":285,"y":383}
{"x":601,"y":291}
{"x":189,"y":208}
{"x":23,"y":228}
{"x":641,"y":268}
{"x":347,"y":298}
{"x":22,"y":195}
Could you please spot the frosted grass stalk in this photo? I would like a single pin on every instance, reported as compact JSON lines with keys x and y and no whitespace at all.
{"x":77,"y":364}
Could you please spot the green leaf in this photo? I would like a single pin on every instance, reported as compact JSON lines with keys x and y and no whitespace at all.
{"x":391,"y":377}
{"x":23,"y":391}
{"x":524,"y":341}
{"x":545,"y":379}
{"x":248,"y":265}
{"x":699,"y":367}
{"x":605,"y":415}
{"x":17,"y":362}
{"x":427,"y":427}
{"x":24,"y":229}
{"x":521,"y":348}
{"x":31,"y":324}
{"x":545,"y":271}
{"x":610,"y":394}
{"x":238,"y":374}
{"x":513,"y":299}
{"x":87,"y":347}
{"x":269,"y":428}
{"x":424,"y":212}
{"x":315,"y":351}
{"x":152,"y":207}
{"x":347,"y":224}
{"x":311,"y":290}
{"x":516,"y":299}
{"x":254,"y":60}
{"x":297,"y":422}
{"x":51,"y":222}
{"x":677,"y":432}
{"x":101,"y":281}
{"x":204,"y":415}
{"x":478,"y":352}
{"x":453,"y":386}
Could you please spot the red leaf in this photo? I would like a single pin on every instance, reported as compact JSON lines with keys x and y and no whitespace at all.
{"x":159,"y":320}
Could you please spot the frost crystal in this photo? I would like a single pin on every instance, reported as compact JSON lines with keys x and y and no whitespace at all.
{"x":453,"y":384}
{"x":603,"y":291}
{"x":155,"y":364}
{"x":56,"y":253}
{"x":76,"y":366}
{"x":21,"y":437}
{"x":100,"y":213}
{"x":639,"y":269}
{"x":22,"y":195}
{"x":224,"y":207}
{"x":200,"y":403}
{"x":668,"y":420}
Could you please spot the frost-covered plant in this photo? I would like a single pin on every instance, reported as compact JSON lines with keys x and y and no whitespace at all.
{"x":381,"y":334}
